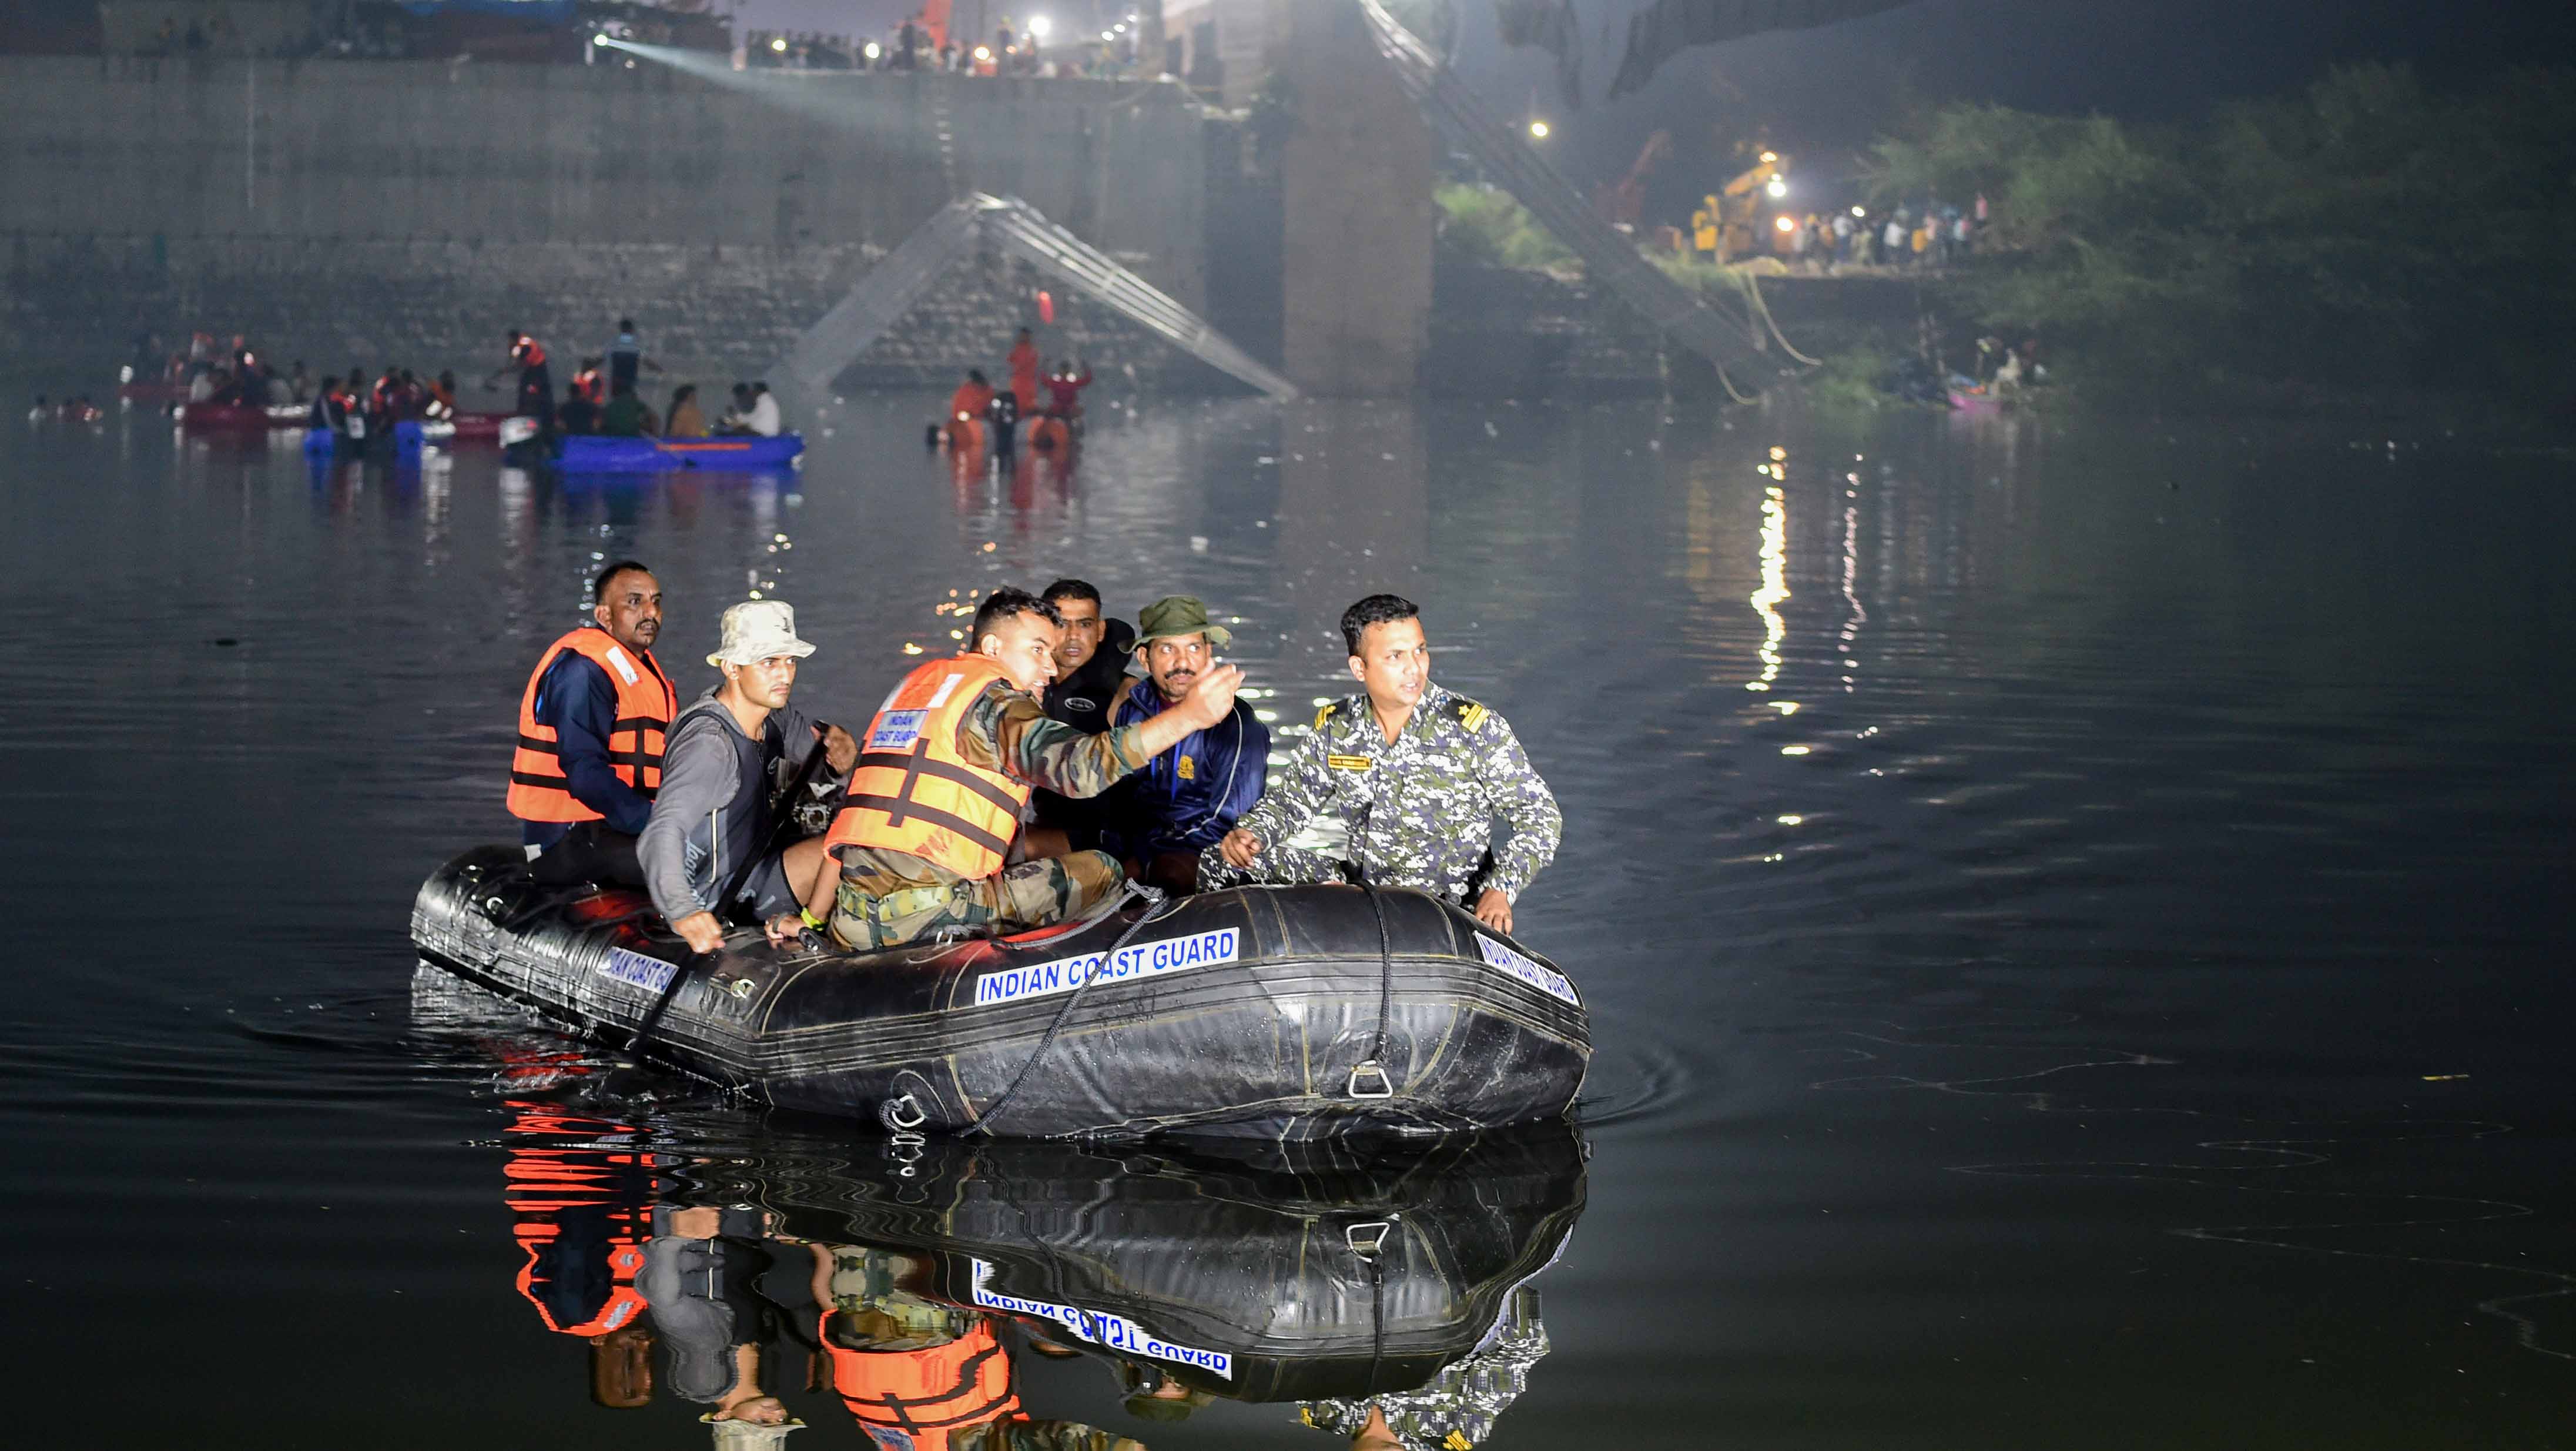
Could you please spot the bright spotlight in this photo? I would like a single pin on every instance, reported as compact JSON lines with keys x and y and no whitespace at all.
{"x":779,"y":45}
{"x":1769,"y":156}
{"x":1786,"y":223}
{"x":1039,"y":25}
{"x":983,"y":53}
{"x":1778,"y":187}
{"x":1860,"y":211}
{"x":1108,"y":35}
{"x":871,"y":50}
{"x":1538,"y":130}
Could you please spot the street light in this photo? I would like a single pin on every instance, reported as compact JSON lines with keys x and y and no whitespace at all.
{"x":1538,"y":130}
{"x":871,"y":50}
{"x":1039,"y":25}
{"x":779,"y":45}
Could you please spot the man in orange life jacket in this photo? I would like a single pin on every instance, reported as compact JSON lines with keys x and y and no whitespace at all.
{"x":580,"y":1192}
{"x":945,"y":771}
{"x":591,"y":729}
{"x":536,"y":382}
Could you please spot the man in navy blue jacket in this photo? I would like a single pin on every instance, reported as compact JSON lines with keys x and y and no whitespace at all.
{"x":1187,"y":798}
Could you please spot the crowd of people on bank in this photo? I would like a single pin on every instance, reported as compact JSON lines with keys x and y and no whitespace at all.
{"x":1015,"y":785}
{"x":910,"y":46}
{"x":1932,"y":234}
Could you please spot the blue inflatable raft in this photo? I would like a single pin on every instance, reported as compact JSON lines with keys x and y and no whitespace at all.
{"x":743,"y":453}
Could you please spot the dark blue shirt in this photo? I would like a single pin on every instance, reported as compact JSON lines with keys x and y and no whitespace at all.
{"x":1187,"y":798}
{"x":579,"y":701}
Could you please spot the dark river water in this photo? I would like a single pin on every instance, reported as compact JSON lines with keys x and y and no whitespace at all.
{"x":2074,"y":916}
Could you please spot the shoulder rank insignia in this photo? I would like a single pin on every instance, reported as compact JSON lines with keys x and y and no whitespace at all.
{"x":1331,"y":709}
{"x":1348,"y":763}
{"x":1469,"y":713}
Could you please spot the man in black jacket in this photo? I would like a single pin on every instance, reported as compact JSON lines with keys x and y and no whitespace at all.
{"x":1090,"y":675}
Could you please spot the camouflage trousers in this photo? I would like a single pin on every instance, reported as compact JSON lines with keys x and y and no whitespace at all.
{"x":1036,"y":893}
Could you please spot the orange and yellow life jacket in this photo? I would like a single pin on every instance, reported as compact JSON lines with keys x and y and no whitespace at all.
{"x":913,"y":792}
{"x":645,"y":705}
{"x":924,"y":1397}
{"x":582,"y":1213}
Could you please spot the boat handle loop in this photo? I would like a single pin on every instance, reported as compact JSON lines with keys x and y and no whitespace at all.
{"x":1366,"y":1240}
{"x":1370,"y":1068}
{"x":892,"y":1112}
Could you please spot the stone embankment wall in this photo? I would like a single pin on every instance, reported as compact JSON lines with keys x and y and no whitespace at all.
{"x":370,"y":212}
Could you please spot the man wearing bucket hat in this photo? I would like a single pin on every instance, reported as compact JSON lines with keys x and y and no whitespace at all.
{"x":707,"y":852}
{"x":1185,"y":800}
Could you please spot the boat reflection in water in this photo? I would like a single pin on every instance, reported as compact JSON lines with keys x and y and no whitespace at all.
{"x":767,"y":1271}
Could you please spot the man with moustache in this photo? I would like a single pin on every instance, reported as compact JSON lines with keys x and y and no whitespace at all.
{"x":591,"y":726}
{"x":1419,"y":774}
{"x":944,"y":774}
{"x":1185,"y":800}
{"x":706,"y":853}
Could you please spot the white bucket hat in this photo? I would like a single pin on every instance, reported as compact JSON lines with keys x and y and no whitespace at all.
{"x":757,"y":630}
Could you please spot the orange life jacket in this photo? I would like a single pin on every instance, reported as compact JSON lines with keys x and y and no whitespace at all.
{"x":561,"y":1172}
{"x":913,"y":792}
{"x":645,"y":705}
{"x":528,"y":353}
{"x":925,"y":1396}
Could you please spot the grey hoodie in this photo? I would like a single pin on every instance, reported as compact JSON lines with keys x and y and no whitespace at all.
{"x":716,"y":784}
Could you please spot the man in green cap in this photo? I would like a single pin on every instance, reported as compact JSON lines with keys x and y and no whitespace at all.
{"x":1185,"y":800}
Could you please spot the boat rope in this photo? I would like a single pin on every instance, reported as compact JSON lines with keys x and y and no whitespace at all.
{"x":1154,"y":903}
{"x":1376,"y":1060}
{"x":1762,"y":309}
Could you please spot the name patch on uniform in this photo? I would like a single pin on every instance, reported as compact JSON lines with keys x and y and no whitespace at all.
{"x":1143,"y":959}
{"x":1101,"y":1328}
{"x":897,"y":730}
{"x":1512,"y":964}
{"x":1348,"y":763}
{"x":625,"y":667}
{"x":634,"y":969}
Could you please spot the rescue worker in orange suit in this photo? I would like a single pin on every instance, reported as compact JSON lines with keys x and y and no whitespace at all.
{"x":1024,"y":362}
{"x":592,"y":723}
{"x":945,"y":772}
{"x":581,"y":1192}
{"x":973,"y":399}
{"x":536,"y":382}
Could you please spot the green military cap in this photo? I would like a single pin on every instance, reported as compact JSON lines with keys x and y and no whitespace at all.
{"x":1176,"y":615}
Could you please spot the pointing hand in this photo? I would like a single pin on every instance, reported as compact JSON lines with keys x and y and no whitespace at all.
{"x":1212,"y":697}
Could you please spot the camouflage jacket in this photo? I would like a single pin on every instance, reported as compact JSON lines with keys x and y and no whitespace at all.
{"x":1421,"y":808}
{"x":1457,"y":1410}
{"x":1008,"y":731}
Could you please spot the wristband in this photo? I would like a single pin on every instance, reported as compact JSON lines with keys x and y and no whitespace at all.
{"x":809,"y":919}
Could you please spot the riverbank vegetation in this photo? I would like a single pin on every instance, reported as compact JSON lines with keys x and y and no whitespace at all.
{"x":2364,"y":237}
{"x":1488,"y":225}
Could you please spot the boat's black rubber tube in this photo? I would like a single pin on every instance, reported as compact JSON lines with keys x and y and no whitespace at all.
{"x":1153,"y":900}
{"x":1385,"y":977}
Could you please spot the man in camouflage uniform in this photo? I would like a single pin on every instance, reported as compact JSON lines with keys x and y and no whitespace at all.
{"x":1419,"y":774}
{"x":888,"y":897}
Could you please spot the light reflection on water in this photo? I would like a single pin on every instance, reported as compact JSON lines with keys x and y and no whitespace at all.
{"x":2117,"y":947}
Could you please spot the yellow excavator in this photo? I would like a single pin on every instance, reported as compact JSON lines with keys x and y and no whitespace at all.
{"x":1734,"y":223}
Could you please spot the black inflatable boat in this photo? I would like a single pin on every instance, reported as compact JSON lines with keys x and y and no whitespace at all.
{"x":1283,"y":1013}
